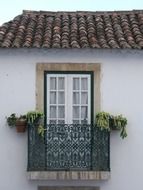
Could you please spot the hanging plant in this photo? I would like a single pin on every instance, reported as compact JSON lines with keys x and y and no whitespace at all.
{"x":19,"y":122}
{"x":102,"y":120}
{"x":35,"y":118}
{"x":106,"y":121}
{"x":32,"y":118}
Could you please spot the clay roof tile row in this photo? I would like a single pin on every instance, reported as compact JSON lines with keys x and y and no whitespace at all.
{"x":111,"y":30}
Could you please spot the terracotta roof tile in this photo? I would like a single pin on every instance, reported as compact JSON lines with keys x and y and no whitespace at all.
{"x":39,"y":29}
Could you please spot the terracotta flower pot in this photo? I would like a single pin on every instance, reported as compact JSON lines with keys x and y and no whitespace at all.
{"x":21,"y":126}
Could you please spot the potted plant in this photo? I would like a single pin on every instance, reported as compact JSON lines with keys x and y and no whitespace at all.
{"x":106,"y":121}
{"x":19,"y":122}
{"x":36,"y":118}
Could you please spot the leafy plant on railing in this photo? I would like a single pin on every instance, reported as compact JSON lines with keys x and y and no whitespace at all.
{"x":41,"y":131}
{"x":36,"y":118}
{"x":106,"y":121}
{"x":32,"y":118}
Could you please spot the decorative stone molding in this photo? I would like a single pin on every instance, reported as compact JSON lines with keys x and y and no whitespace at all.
{"x":42,"y":67}
{"x":68,"y":175}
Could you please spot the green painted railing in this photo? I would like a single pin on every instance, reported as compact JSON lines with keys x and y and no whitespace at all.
{"x":68,"y":147}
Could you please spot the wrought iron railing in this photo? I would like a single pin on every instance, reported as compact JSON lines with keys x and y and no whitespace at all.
{"x":68,"y":147}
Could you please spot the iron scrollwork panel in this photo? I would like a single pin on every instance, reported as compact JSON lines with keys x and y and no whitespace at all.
{"x":68,"y":147}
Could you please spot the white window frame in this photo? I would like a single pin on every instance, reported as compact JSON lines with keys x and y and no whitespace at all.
{"x":68,"y":95}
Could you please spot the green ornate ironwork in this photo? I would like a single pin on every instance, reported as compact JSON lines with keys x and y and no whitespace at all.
{"x":68,"y":147}
{"x":36,"y":150}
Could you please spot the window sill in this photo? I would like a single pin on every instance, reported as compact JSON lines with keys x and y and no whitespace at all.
{"x":68,"y":175}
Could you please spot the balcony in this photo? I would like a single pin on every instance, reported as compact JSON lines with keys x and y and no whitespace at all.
{"x":68,"y":152}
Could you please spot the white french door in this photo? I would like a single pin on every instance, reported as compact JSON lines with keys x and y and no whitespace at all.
{"x":68,"y":98}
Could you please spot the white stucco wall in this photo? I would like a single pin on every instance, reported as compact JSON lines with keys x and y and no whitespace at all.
{"x":121,"y":92}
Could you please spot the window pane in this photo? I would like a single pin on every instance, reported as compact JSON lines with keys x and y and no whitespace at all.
{"x":75,"y":121}
{"x":52,"y":111}
{"x":76,"y":98}
{"x":84,"y":84}
{"x":52,"y":121}
{"x":84,"y":98}
{"x":61,"y":122}
{"x":84,"y":112}
{"x":53,"y":83}
{"x":52,"y":97}
{"x":75,"y":111}
{"x":61,"y":84}
{"x":61,"y":112}
{"x":61,"y":97}
{"x":75,"y":83}
{"x":84,"y":121}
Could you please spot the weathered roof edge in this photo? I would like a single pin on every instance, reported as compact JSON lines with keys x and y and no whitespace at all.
{"x":135,"y":11}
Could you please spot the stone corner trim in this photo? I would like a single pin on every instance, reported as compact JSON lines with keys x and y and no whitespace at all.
{"x":68,"y":175}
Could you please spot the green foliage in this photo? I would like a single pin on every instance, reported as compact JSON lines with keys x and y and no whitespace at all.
{"x":11,"y":120}
{"x":41,"y":131}
{"x":102,"y":120}
{"x":34,"y":117}
{"x":106,"y":121}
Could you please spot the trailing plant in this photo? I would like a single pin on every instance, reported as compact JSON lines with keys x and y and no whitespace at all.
{"x":102,"y":120}
{"x":106,"y":121}
{"x":36,"y":118}
{"x":120,"y":122}
{"x":41,"y":131}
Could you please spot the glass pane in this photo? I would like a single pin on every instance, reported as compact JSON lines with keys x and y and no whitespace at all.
{"x":75,"y":121}
{"x":53,"y":83}
{"x":53,"y":112}
{"x":75,"y":83}
{"x":84,"y":112}
{"x":84,"y":121}
{"x":61,"y":84}
{"x":75,"y":111}
{"x":61,"y":112}
{"x":52,"y":122}
{"x":61,"y":122}
{"x":61,"y":97}
{"x":76,"y":98}
{"x":84,"y":84}
{"x":52,"y":97}
{"x":84,"y":98}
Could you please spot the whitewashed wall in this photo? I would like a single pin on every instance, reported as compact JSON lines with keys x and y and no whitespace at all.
{"x":121,"y":92}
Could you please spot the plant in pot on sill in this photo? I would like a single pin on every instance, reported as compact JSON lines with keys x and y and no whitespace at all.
{"x":36,"y":119}
{"x":106,"y":121}
{"x":19,"y":122}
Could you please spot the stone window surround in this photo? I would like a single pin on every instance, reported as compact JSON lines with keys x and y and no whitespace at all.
{"x":40,"y":69}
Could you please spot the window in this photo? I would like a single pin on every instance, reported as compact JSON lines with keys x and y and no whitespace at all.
{"x":68,"y":98}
